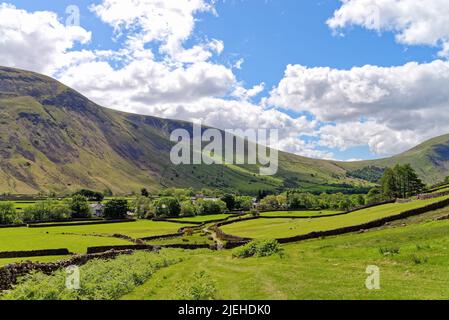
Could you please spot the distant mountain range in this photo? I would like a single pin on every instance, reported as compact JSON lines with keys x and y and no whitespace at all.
{"x":54,"y":139}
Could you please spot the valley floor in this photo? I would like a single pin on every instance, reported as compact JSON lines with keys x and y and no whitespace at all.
{"x":331,"y":268}
{"x":412,"y":256}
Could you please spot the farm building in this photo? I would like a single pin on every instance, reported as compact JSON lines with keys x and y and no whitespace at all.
{"x":97,"y":209}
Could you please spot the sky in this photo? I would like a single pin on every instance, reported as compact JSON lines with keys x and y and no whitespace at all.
{"x":340,"y":79}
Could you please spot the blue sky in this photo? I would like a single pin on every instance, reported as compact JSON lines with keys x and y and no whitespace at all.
{"x":268,"y":36}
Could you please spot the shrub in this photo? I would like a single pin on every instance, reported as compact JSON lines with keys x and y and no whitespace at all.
{"x":47,"y":210}
{"x":255,"y":212}
{"x":79,"y":207}
{"x":269,"y":203}
{"x":167,"y":207}
{"x":243,"y":203}
{"x":246,"y":251}
{"x":8,"y":214}
{"x":143,"y":207}
{"x":144,"y":192}
{"x":116,"y":209}
{"x":261,"y":248}
{"x":90,"y":195}
{"x":207,"y":207}
{"x":419,"y":260}
{"x":59,"y":211}
{"x":229,"y":200}
{"x":188,"y":209}
{"x":202,"y":287}
{"x":389,"y":251}
{"x":100,"y":279}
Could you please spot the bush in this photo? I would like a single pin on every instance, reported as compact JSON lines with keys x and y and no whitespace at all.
{"x":8,"y":214}
{"x":46,"y":211}
{"x":389,"y":251}
{"x":100,"y":279}
{"x":229,"y":200}
{"x":90,"y":195}
{"x":202,"y":287}
{"x":243,"y":203}
{"x":116,"y":209}
{"x":167,"y":207}
{"x":188,"y":209}
{"x":79,"y":207}
{"x":143,"y":207}
{"x":263,"y":248}
{"x":207,"y":207}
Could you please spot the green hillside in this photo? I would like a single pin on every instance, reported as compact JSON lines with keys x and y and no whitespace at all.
{"x":54,"y":139}
{"x":430,"y":159}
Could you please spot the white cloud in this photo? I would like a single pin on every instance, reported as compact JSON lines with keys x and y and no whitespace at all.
{"x":143,"y":21}
{"x":409,"y":97}
{"x":415,"y":22}
{"x":388,"y":109}
{"x":378,"y":137}
{"x":37,"y":41}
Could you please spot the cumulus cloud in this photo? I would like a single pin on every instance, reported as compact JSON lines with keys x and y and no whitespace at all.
{"x":37,"y":41}
{"x":388,"y":109}
{"x":415,"y":22}
{"x":408,"y":97}
{"x":168,"y":21}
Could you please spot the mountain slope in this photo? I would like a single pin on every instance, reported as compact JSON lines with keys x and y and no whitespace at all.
{"x":54,"y":139}
{"x":430,"y":159}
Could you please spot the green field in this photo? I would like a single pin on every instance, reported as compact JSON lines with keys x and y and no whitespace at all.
{"x":283,"y":228}
{"x":15,"y":239}
{"x":411,"y":254}
{"x":298,"y":213}
{"x":331,"y":268}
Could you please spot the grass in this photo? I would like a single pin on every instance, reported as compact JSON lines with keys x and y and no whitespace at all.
{"x":99,"y":279}
{"x":197,"y":238}
{"x":75,"y":239}
{"x":283,"y":228}
{"x":331,"y":268}
{"x":204,"y":218}
{"x":298,"y":213}
{"x":25,"y":239}
{"x":4,"y":262}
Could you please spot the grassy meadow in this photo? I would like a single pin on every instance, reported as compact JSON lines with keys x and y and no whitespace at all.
{"x":411,"y":255}
{"x":331,"y":268}
{"x":283,"y":228}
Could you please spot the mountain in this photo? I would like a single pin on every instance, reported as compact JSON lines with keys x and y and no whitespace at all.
{"x":53,"y":139}
{"x":430,"y":159}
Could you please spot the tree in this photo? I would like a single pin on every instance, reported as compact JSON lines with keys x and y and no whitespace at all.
{"x":244,"y":203}
{"x":389,"y":183}
{"x":108,"y":192}
{"x":46,"y":211}
{"x":269,"y":203}
{"x":188,"y":209}
{"x":144,"y":192}
{"x":116,"y":209}
{"x":357,"y":200}
{"x":8,"y":214}
{"x":229,"y":199}
{"x":79,"y":207}
{"x":143,"y":207}
{"x":207,"y":207}
{"x":401,"y":182}
{"x":374,"y":196}
{"x":167,"y":207}
{"x":90,"y":195}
